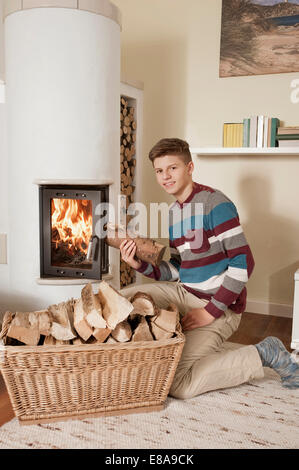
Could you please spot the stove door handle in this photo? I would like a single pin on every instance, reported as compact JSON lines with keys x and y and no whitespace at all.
{"x":90,"y":251}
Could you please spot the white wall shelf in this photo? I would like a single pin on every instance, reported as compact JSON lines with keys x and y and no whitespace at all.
{"x":246,"y":151}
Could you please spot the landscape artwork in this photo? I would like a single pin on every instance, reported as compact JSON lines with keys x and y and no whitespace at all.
{"x":259,"y":37}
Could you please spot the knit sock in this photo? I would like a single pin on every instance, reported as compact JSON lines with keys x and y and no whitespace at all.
{"x":273,"y":354}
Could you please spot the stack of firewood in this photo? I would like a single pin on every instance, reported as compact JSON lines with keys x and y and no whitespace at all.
{"x":127,"y":172}
{"x":106,"y":316}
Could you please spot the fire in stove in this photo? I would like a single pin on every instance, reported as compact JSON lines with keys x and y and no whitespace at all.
{"x":71,"y":231}
{"x":69,"y":246}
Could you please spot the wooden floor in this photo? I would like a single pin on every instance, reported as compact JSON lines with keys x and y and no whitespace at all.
{"x":253,"y":328}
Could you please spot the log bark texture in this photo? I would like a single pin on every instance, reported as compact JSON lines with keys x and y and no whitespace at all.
{"x":146,"y":249}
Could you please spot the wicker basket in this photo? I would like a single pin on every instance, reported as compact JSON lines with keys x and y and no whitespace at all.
{"x":56,"y":383}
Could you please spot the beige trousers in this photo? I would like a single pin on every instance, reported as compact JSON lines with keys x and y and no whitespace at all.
{"x":204,"y":365}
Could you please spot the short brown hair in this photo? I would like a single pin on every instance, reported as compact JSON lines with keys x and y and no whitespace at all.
{"x":171,"y":146}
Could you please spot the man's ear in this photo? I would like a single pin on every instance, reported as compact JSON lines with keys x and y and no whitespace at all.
{"x":190,"y":168}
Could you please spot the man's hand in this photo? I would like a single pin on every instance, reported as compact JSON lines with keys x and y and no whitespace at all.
{"x":128,"y":250}
{"x":195,"y":318}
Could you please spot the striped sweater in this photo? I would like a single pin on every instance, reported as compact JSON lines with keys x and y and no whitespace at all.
{"x":209,"y":253}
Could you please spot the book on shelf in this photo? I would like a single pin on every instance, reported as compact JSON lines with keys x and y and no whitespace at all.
{"x":232,"y":134}
{"x":288,"y":143}
{"x":288,"y":130}
{"x":287,"y":136}
{"x":260,"y":131}
{"x":246,"y":132}
{"x":265,"y":131}
{"x":253,"y":131}
{"x":273,"y":131}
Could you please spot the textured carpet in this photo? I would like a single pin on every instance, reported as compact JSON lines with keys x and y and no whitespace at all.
{"x":256,"y":415}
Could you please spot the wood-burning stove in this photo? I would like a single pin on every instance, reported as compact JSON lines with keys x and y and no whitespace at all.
{"x":69,"y":246}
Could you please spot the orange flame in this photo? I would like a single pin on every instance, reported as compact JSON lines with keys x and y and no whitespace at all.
{"x":71,"y":223}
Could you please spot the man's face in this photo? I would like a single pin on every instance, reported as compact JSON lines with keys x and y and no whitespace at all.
{"x":172,"y":173}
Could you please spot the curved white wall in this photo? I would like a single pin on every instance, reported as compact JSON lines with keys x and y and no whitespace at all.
{"x":62,"y":93}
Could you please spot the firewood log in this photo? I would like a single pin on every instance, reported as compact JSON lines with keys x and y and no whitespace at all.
{"x":116,"y":307}
{"x":78,"y":341}
{"x":111,"y":340}
{"x":101,"y":334}
{"x":163,"y":325}
{"x":143,"y":305}
{"x":50,"y":340}
{"x":146,"y":249}
{"x":80,"y":323}
{"x":122,"y":332}
{"x":127,"y":121}
{"x":24,"y":328}
{"x":142,"y":331}
{"x":92,"y":308}
{"x":7,"y":319}
{"x":174,"y":308}
{"x":159,"y":333}
{"x":61,"y":327}
{"x":44,"y":322}
{"x":166,"y":319}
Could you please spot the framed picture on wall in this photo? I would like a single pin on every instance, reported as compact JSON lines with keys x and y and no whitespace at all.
{"x":259,"y":37}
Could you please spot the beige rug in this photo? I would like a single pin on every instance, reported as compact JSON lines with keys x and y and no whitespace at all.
{"x":257,"y":415}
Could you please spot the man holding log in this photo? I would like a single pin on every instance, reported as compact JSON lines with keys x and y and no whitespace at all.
{"x":206,"y":275}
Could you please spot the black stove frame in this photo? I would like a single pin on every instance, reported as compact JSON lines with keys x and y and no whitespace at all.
{"x":99,"y":254}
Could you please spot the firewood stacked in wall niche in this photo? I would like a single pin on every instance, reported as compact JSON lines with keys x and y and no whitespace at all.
{"x":127,"y":172}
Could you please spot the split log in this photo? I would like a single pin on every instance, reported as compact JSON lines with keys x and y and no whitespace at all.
{"x":143,"y":305}
{"x":61,"y":327}
{"x":92,"y":308}
{"x":24,"y":328}
{"x":166,"y":319}
{"x":159,"y":333}
{"x":101,"y":334}
{"x":122,"y":332}
{"x":78,"y":341}
{"x":111,"y":340}
{"x":174,"y":308}
{"x":146,"y":249}
{"x":127,"y":121}
{"x":142,"y":331}
{"x":116,"y":307}
{"x":80,"y":323}
{"x":49,"y":340}
{"x":163,"y":325}
{"x":7,"y":319}
{"x":44,"y":322}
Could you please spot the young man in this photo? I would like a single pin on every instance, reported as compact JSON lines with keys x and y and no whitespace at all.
{"x":206,"y":278}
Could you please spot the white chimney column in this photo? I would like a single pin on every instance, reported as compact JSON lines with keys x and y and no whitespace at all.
{"x":62,"y":63}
